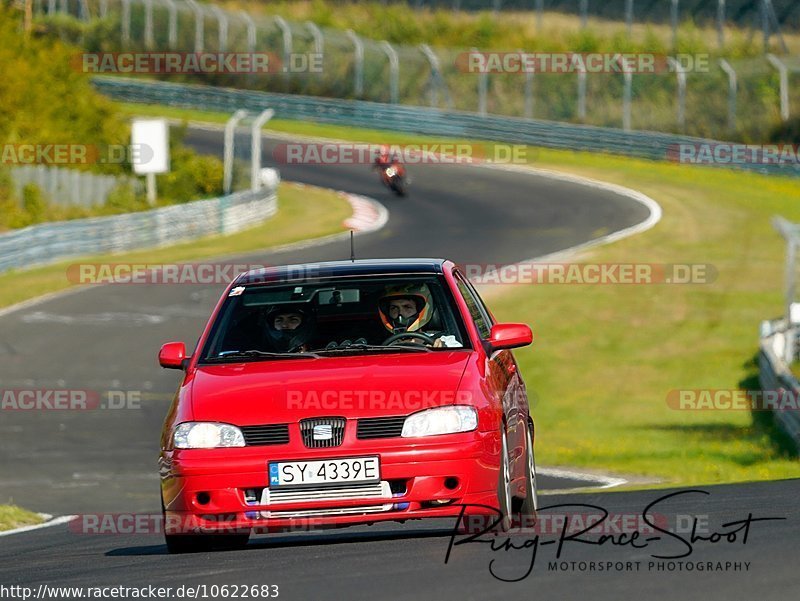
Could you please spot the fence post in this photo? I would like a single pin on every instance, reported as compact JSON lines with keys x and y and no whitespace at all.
{"x":358,"y":57}
{"x":581,"y":72}
{"x":288,"y":43}
{"x":626,"y":97}
{"x":319,"y":39}
{"x":433,"y":61}
{"x":721,"y":23}
{"x":103,"y":8}
{"x":483,"y":88}
{"x":783,"y":72}
{"x":255,"y":148}
{"x":680,"y":73}
{"x":584,"y":8}
{"x":732,"y":89}
{"x":222,"y":28}
{"x":528,"y":92}
{"x":230,"y":130}
{"x":251,"y":31}
{"x":394,"y":71}
{"x":126,"y":21}
{"x":172,"y":34}
{"x":199,"y":26}
{"x":629,"y":16}
{"x":539,"y":15}
{"x":149,"y":41}
{"x":674,"y":12}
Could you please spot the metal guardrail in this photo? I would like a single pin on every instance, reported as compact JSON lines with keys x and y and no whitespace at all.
{"x":774,"y":376}
{"x":53,"y":242}
{"x":417,"y":120}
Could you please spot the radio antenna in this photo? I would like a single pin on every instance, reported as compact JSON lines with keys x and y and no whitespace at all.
{"x":352,"y":248}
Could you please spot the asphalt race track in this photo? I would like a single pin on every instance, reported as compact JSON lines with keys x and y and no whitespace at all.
{"x":106,"y":338}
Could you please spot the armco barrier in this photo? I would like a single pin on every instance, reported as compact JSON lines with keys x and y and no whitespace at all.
{"x":52,"y":242}
{"x":773,"y":375}
{"x":414,"y":120}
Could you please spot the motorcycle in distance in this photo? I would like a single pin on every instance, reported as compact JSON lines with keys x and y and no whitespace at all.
{"x":393,"y":174}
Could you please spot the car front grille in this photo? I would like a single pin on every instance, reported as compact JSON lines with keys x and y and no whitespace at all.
{"x":255,"y":436}
{"x":322,"y":432}
{"x":367,"y":491}
{"x":380,"y":427}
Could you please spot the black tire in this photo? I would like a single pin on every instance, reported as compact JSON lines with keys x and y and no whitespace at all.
{"x":530,"y":505}
{"x":504,"y":498}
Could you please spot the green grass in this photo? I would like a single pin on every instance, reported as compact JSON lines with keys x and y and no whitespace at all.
{"x":607,"y":356}
{"x":304,"y":212}
{"x":14,"y":517}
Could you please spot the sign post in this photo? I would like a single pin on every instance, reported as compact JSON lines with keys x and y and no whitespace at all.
{"x":150,"y":145}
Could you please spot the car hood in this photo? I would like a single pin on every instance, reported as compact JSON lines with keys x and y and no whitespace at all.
{"x":288,"y":390}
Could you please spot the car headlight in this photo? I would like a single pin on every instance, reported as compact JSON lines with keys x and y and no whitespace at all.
{"x":207,"y":435}
{"x":441,"y":420}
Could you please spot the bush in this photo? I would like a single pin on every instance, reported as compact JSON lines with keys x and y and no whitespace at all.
{"x":786,"y":133}
{"x":123,"y":199}
{"x":34,"y":204}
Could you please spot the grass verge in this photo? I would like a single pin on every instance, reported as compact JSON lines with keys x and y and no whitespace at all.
{"x":14,"y":517}
{"x":304,"y":212}
{"x":607,"y":356}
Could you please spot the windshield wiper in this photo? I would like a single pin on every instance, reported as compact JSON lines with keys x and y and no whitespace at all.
{"x":375,"y":347}
{"x":234,"y":356}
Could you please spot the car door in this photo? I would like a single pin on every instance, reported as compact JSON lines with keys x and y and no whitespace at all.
{"x":502,"y":376}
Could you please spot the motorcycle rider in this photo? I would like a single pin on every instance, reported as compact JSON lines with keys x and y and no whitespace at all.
{"x":387,"y":159}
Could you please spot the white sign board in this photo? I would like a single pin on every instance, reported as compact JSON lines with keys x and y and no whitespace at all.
{"x":150,"y":146}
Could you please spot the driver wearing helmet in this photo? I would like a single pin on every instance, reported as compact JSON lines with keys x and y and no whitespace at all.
{"x":408,"y":308}
{"x":289,"y":328}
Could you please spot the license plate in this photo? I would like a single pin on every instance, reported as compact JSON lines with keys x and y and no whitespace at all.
{"x":352,"y":469}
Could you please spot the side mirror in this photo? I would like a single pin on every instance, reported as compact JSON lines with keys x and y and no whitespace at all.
{"x":510,"y":335}
{"x":172,"y":355}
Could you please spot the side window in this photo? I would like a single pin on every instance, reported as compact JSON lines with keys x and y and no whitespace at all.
{"x":475,"y":310}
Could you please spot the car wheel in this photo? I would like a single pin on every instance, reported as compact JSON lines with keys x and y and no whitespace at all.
{"x":504,"y":486}
{"x":531,"y":503}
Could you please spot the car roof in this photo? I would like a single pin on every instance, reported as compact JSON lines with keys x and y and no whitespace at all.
{"x":330,"y":269}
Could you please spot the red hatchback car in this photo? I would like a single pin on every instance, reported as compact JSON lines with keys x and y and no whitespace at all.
{"x":345,"y":393}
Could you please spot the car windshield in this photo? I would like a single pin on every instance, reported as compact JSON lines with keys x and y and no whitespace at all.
{"x":335,"y":317}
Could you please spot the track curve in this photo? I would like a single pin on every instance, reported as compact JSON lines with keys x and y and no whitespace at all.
{"x":106,"y":338}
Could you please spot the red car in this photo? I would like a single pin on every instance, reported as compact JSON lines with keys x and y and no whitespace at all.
{"x":346,"y":393}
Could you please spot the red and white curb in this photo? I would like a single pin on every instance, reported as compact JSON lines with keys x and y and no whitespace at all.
{"x":368,"y":214}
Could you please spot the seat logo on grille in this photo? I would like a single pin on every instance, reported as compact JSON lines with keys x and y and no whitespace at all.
{"x":323,"y":432}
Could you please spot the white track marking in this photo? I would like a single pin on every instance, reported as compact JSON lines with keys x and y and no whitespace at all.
{"x":54,"y":522}
{"x":603,"y":481}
